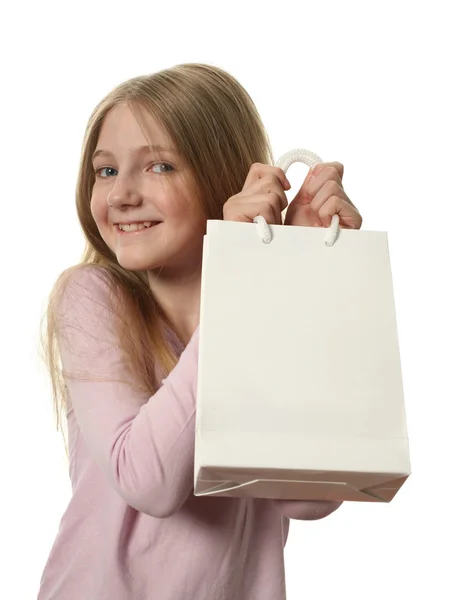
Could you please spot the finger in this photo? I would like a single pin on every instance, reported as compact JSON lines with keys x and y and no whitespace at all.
{"x":279,"y":195}
{"x":268,"y":185}
{"x":270,"y":213}
{"x":259,"y":171}
{"x":302,"y":215}
{"x":262,"y":204}
{"x":314,"y":182}
{"x":335,"y":205}
{"x":246,"y":215}
{"x":329,"y":189}
{"x":277,"y":215}
{"x":334,"y":188}
{"x":339,"y":168}
{"x":272,"y":186}
{"x":276,"y":206}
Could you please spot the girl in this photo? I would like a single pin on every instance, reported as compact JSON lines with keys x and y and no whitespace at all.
{"x":161,"y":155}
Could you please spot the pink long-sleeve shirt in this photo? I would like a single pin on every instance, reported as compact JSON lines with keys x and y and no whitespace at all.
{"x":133,"y":530}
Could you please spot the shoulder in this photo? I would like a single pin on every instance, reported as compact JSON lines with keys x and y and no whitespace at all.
{"x":86,"y":322}
{"x":84,"y":290}
{"x":85,"y":279}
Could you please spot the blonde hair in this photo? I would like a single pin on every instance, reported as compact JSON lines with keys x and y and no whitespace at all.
{"x":214,"y":124}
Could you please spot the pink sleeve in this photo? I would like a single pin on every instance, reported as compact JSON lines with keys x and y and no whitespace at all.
{"x":306,"y":510}
{"x":145,"y":446}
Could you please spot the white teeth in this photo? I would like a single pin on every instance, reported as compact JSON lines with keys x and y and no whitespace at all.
{"x":135,"y":226}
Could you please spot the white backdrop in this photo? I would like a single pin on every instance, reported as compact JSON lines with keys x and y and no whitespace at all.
{"x":366,"y":84}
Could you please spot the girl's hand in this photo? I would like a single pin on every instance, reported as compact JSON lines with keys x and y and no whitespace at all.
{"x":262,"y":194}
{"x":322,"y":196}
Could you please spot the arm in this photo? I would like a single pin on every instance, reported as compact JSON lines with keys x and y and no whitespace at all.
{"x":144,"y":446}
{"x":306,"y":510}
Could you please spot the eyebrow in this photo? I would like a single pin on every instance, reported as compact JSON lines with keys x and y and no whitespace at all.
{"x":139,"y":150}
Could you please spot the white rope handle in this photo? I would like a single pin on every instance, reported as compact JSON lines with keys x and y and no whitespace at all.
{"x":285,"y":161}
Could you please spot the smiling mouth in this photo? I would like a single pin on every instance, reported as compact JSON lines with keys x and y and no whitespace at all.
{"x":135,"y":227}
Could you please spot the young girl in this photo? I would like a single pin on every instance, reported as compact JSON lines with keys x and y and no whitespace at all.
{"x":161,"y":155}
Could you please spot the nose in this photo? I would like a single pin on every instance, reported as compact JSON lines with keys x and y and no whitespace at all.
{"x":124,"y":193}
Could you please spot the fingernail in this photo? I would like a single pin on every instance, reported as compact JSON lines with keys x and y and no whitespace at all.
{"x":287,"y":183}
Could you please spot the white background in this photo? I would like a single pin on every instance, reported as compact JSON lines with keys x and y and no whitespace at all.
{"x":366,"y":84}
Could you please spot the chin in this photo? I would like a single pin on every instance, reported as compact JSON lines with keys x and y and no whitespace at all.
{"x":137,"y":263}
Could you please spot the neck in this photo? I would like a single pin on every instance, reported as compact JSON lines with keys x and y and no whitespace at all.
{"x":179,"y":297}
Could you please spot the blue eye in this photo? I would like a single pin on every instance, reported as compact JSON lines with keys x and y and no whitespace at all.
{"x":102,"y":169}
{"x":165,"y":165}
{"x":168,"y":169}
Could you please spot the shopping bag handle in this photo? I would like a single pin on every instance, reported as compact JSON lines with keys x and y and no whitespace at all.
{"x":285,"y":161}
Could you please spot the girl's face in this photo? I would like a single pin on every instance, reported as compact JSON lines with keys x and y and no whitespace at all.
{"x":130,"y":193}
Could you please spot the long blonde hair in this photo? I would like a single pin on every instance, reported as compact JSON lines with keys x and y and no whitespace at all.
{"x":217,"y":129}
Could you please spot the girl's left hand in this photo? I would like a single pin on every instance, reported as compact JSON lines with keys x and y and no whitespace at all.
{"x":322,"y":196}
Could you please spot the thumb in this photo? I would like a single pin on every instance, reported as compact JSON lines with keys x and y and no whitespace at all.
{"x":303,"y":196}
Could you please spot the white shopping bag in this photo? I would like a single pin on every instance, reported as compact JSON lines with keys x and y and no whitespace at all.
{"x":300,"y":390}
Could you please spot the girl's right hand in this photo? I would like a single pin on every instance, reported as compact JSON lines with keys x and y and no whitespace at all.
{"x":262,"y":194}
